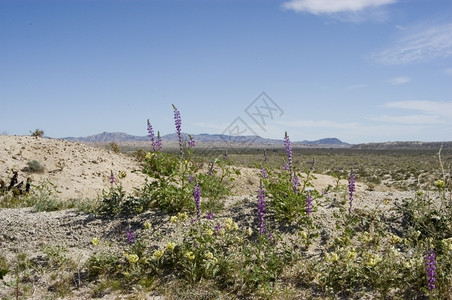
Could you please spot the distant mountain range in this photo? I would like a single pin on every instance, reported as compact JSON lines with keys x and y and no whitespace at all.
{"x":118,"y":137}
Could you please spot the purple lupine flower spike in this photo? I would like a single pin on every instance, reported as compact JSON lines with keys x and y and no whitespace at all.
{"x":264,"y":173}
{"x":112,"y":177}
{"x":178,"y":123}
{"x":308,"y":206}
{"x":430,"y":266}
{"x":261,"y":209}
{"x":130,"y":236}
{"x":295,"y":183}
{"x":151,"y":136}
{"x":351,"y":190}
{"x":288,"y":146}
{"x":191,"y":141}
{"x":197,"y":196}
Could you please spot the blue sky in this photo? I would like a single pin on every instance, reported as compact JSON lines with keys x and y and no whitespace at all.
{"x":358,"y":70}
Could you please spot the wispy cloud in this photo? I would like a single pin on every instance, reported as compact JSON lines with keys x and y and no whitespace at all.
{"x":432,"y":108}
{"x":418,"y":44}
{"x":318,"y":7}
{"x":318,"y":124}
{"x":399,"y":80}
{"x":410,"y":119}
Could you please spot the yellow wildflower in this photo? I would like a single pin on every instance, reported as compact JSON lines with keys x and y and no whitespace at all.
{"x":182,"y":216}
{"x":170,"y":246}
{"x":147,"y":225}
{"x":122,"y":174}
{"x":440,"y":184}
{"x":447,"y":243}
{"x":173,"y":219}
{"x":249,"y":231}
{"x":132,"y":258}
{"x":208,"y":255}
{"x":158,"y":254}
{"x":366,"y":237}
{"x":190,"y":255}
{"x":351,"y":254}
{"x":95,"y":241}
{"x":395,"y":239}
{"x":149,"y":155}
{"x":303,"y":235}
{"x":209,"y":232}
{"x":230,"y":224}
{"x":373,"y":259}
{"x":333,"y":257}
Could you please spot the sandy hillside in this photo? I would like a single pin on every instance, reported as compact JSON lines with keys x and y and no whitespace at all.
{"x":77,"y":170}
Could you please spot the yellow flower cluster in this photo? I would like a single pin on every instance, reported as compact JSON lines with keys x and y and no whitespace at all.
{"x":249,"y":231}
{"x":333,"y":257}
{"x":158,"y":254}
{"x":394,"y":239}
{"x":366,"y":237}
{"x":122,"y":174}
{"x":179,"y":217}
{"x":147,"y":225}
{"x":170,"y":246}
{"x":95,"y":241}
{"x":447,"y":243}
{"x":190,"y":255}
{"x":231,"y":225}
{"x":132,"y":258}
{"x":373,"y":259}
{"x":210,"y":257}
{"x":351,"y":254}
{"x":439,"y":184}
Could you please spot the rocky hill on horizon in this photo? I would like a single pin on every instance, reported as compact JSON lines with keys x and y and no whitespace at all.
{"x":118,"y":137}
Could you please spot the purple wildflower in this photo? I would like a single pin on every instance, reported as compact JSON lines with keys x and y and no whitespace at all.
{"x":430,"y":265}
{"x":210,"y":170}
{"x":261,"y":209}
{"x":312,"y":165}
{"x":197,"y":196}
{"x":191,"y":141}
{"x":178,"y":123}
{"x":308,"y":206}
{"x":217,"y":228}
{"x":288,"y":146}
{"x":264,"y":173}
{"x":209,"y":216}
{"x":351,"y":190}
{"x":265,"y":156}
{"x":130,"y":236}
{"x":295,"y":183}
{"x":151,"y":135}
{"x":158,"y":142}
{"x":112,"y":177}
{"x":225,"y":155}
{"x":190,"y":178}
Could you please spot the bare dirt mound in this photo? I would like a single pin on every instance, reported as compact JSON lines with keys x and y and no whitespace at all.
{"x":77,"y":170}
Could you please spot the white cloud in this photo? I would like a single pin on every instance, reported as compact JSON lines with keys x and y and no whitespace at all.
{"x":410,"y":119}
{"x":318,"y":7}
{"x":399,"y":80}
{"x":438,"y":109}
{"x":418,"y":44}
